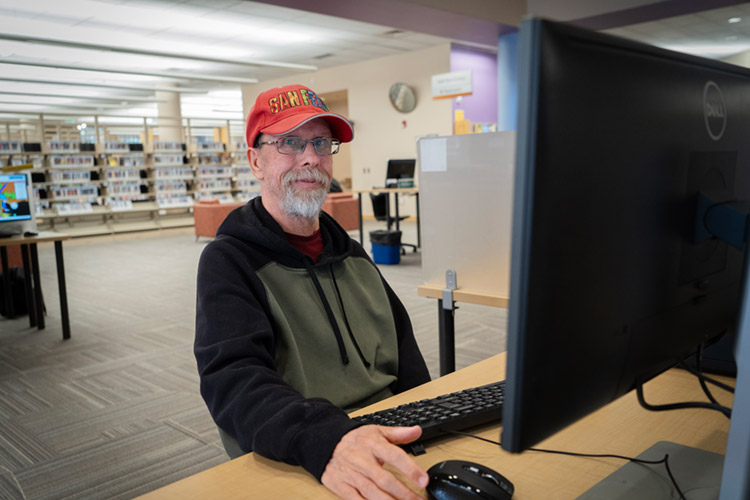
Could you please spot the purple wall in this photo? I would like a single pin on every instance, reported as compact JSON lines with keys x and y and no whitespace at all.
{"x":481,"y":106}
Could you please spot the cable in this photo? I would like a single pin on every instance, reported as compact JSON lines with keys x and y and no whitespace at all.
{"x":702,"y":379}
{"x":701,"y":376}
{"x":664,"y":460}
{"x":680,"y":406}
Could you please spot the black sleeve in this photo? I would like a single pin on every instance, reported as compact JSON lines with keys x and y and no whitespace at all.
{"x":234,"y":349}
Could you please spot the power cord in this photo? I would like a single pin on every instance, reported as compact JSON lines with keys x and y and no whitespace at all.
{"x":727,"y":412}
{"x":703,"y":379}
{"x":664,"y":460}
{"x":698,"y":372}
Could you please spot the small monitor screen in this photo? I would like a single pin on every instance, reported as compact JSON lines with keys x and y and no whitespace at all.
{"x":14,"y":198}
{"x":399,"y":169}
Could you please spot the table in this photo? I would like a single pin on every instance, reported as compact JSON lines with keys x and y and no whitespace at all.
{"x":34,"y":299}
{"x":622,"y":427}
{"x":446,"y":318}
{"x":388,"y":191}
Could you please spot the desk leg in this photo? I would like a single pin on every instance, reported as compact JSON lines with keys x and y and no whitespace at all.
{"x":39,"y":300}
{"x":7,"y":285}
{"x":447,"y":338}
{"x":398,"y":223}
{"x":61,"y":286}
{"x":361,"y":229}
{"x":419,"y":232}
{"x":388,"y":220}
{"x":30,"y":306}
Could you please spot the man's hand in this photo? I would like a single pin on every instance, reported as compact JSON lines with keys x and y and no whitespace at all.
{"x":355,"y":470}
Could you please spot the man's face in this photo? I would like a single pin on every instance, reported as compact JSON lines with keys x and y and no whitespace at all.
{"x":298,"y":184}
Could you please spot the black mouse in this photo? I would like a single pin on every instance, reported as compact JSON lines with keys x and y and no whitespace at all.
{"x":461,"y":480}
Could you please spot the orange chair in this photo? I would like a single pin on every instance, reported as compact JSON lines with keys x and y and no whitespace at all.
{"x":208,"y":216}
{"x":344,"y":208}
{"x":15,"y":259}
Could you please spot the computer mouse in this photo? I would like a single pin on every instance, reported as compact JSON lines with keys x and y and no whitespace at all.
{"x":462,"y":480}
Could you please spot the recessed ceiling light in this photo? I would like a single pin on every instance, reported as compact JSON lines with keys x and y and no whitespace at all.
{"x":734,"y":20}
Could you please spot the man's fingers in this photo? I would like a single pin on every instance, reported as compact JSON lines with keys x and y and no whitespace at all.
{"x":356,"y":481}
{"x":344,"y":490}
{"x":355,"y":469}
{"x":399,"y":459}
{"x":401,"y":435}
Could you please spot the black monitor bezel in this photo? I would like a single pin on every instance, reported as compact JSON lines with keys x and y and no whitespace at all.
{"x":535,"y":34}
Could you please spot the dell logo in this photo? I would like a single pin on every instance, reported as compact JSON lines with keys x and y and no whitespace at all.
{"x":714,"y":110}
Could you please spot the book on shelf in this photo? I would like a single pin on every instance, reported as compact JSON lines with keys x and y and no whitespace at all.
{"x":120,"y":205}
{"x":168,"y":147}
{"x":72,"y":161}
{"x":116,"y":147}
{"x":123,"y":174}
{"x":174,"y":201}
{"x":167,"y":160}
{"x":78,"y":208}
{"x":10,"y":147}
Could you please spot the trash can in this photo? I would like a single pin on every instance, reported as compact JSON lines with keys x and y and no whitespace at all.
{"x":386,"y":246}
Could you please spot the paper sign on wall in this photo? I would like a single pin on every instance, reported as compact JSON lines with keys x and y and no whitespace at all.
{"x":433,"y":154}
{"x":447,"y":85}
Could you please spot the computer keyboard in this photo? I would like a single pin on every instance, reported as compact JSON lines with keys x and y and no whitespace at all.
{"x":450,"y":412}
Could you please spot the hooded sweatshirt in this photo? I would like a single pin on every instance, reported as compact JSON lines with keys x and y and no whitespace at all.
{"x":285,"y":347}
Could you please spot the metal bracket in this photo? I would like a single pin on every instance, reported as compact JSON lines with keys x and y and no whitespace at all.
{"x":451,"y":284}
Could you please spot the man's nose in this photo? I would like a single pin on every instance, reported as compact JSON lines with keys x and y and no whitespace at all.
{"x":309,"y":155}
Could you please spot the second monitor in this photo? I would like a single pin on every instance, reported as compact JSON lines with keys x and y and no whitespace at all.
{"x":400,"y":173}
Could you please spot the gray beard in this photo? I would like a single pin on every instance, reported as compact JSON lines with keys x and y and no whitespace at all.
{"x":307,"y":203}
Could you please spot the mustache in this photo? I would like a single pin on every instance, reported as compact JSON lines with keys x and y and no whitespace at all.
{"x":307,"y":174}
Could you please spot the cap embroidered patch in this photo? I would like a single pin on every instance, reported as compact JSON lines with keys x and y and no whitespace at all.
{"x":281,"y":110}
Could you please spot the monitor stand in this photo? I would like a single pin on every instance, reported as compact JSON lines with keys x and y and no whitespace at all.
{"x":697,"y":472}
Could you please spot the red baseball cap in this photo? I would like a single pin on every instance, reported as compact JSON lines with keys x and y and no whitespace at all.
{"x":283,"y":109}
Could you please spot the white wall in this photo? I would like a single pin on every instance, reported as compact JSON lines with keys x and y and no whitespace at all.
{"x":741,"y":59}
{"x":379,"y":133}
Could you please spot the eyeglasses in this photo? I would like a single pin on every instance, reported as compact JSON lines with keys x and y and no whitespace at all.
{"x":324,"y":146}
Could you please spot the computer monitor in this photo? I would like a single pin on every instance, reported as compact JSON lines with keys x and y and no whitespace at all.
{"x":613,"y":275}
{"x":16,"y":214}
{"x":399,"y":169}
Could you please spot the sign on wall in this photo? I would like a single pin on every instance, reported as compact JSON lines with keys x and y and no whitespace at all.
{"x":448,"y":85}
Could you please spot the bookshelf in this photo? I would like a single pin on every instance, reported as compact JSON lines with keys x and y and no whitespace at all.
{"x":120,"y":177}
{"x":244,"y":184}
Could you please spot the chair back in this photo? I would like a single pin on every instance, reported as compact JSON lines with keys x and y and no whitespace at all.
{"x":378,"y":205}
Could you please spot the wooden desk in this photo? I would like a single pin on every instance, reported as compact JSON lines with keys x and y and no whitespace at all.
{"x":622,"y":427}
{"x":389,"y":191}
{"x":34,"y":301}
{"x":446,"y":318}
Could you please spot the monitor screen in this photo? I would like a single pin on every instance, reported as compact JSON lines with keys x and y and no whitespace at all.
{"x":399,"y":169}
{"x":613,"y":277}
{"x":15,"y":203}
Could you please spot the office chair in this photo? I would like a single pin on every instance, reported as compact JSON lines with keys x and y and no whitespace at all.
{"x":381,"y":213}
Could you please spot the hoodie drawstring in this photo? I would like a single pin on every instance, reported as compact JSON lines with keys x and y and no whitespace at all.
{"x":329,"y":312}
{"x":346,"y":320}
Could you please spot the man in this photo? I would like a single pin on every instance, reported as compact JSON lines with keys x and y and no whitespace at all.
{"x":295,"y":325}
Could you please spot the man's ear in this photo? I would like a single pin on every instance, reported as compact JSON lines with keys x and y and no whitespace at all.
{"x":253,"y":160}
